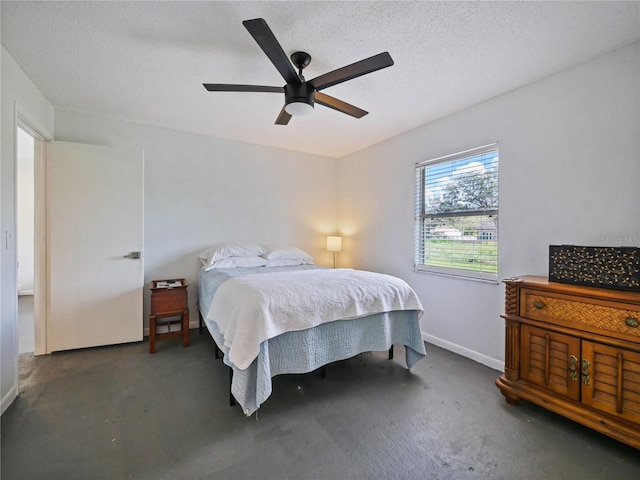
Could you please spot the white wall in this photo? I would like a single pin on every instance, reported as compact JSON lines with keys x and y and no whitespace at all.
{"x":569,"y":173}
{"x":201,"y":190}
{"x":18,"y":93}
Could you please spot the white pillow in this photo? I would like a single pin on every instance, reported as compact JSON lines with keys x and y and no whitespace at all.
{"x":230,"y":249}
{"x":236,"y":262}
{"x":287,"y":262}
{"x":288,"y":253}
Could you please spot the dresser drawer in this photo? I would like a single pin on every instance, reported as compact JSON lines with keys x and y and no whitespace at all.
{"x":168,"y":300}
{"x":609,"y":318}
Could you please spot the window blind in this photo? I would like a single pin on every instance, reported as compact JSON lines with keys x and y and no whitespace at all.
{"x":456,"y":214}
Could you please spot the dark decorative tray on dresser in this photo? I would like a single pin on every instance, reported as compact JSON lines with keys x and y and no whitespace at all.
{"x":574,"y":350}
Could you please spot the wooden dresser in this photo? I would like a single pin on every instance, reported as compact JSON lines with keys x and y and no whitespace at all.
{"x":576,"y":351}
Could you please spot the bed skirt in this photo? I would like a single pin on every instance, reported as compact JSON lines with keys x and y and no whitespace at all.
{"x":307,"y":350}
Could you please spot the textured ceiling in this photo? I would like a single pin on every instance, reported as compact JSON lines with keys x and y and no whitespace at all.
{"x":146,"y":61}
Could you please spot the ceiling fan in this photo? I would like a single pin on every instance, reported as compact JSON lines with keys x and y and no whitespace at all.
{"x":300,"y":95}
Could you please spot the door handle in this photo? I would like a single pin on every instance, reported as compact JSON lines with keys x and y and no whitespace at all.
{"x":132,"y":255}
{"x":585,"y":372}
{"x":573,"y":373}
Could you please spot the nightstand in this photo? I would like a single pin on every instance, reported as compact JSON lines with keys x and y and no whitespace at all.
{"x":169,"y":307}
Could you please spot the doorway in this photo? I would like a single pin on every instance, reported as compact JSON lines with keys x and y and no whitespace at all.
{"x":25,"y":246}
{"x":31,"y":278}
{"x":55,"y":311}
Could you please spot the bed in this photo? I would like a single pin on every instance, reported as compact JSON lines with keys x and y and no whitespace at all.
{"x":261,"y":333}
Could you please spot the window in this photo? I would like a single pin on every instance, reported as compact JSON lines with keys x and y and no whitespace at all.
{"x":456,"y":214}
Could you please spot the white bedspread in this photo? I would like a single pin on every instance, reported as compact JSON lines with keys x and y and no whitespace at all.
{"x":250,"y":309}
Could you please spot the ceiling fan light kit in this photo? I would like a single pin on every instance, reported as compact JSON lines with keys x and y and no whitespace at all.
{"x":301,"y":95}
{"x":299,"y":99}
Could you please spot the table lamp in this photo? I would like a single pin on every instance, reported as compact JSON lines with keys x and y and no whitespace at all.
{"x":334,"y":244}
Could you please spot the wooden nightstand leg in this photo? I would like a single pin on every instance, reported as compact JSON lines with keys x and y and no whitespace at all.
{"x":185,"y":328}
{"x":152,"y":333}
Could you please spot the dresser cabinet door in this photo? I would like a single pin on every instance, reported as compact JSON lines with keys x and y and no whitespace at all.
{"x":611,"y":380}
{"x":551,"y":360}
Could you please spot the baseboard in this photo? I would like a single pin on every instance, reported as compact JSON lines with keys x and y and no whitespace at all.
{"x":8,"y":398}
{"x":465,"y":352}
{"x":438,"y":342}
{"x":192,"y":324}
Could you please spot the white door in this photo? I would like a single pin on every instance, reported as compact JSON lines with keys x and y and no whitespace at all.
{"x":94,"y":220}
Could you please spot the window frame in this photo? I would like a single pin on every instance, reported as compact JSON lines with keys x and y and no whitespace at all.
{"x":422,"y":214}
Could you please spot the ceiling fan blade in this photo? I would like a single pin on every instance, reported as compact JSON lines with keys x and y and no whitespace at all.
{"x":283,"y":117}
{"x":368,"y":65}
{"x":265,"y":38}
{"x":339,"y":105}
{"x":225,"y":87}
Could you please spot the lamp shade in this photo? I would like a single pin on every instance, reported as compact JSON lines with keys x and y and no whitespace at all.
{"x":334,"y":244}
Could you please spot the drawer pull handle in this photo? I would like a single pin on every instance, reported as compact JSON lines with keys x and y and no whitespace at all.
{"x":572,"y":368}
{"x":631,"y":322}
{"x":538,"y":304}
{"x":585,"y":372}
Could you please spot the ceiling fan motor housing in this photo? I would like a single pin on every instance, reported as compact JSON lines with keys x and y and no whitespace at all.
{"x":299,"y":93}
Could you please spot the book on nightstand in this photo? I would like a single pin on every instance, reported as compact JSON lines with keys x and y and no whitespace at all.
{"x":168,"y":284}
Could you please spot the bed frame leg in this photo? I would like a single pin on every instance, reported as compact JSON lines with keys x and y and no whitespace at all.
{"x":216,"y":350}
{"x":232,"y":400}
{"x":323,"y":372}
{"x":200,"y":322}
{"x":391,"y":353}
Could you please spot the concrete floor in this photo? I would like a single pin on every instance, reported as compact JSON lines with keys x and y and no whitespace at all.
{"x":120,"y":413}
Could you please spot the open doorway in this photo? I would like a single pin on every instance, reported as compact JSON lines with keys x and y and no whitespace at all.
{"x":25,"y":219}
{"x":30,"y":241}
